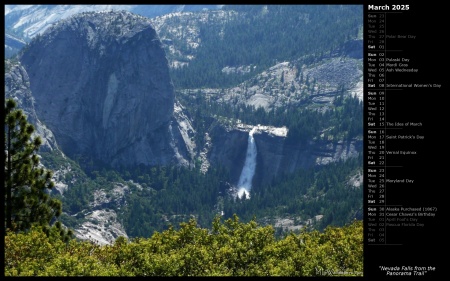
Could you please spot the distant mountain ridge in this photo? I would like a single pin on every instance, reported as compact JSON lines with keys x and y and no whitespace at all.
{"x":24,"y":22}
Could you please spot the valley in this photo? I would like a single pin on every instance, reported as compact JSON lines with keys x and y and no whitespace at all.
{"x":146,"y":121}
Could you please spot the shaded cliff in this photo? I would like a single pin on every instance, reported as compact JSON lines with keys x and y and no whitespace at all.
{"x":101,"y":84}
{"x":17,"y":86}
{"x":275,"y":156}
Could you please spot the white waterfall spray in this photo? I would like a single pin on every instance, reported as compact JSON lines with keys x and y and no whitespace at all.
{"x":245,"y":180}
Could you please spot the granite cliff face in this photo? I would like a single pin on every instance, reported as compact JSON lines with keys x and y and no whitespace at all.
{"x":278,"y":157}
{"x":275,"y":156}
{"x":17,"y":86}
{"x":101,"y":84}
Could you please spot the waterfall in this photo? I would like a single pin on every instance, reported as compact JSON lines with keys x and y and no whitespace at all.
{"x":245,"y":180}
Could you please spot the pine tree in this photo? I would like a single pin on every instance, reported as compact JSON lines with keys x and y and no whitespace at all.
{"x":28,"y":201}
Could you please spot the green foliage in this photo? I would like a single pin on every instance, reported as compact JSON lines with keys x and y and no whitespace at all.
{"x":36,"y":254}
{"x":28,"y":200}
{"x":306,"y":193}
{"x":170,"y":193}
{"x":230,"y":248}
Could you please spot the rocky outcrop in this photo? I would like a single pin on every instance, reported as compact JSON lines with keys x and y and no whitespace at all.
{"x":180,"y":32}
{"x":12,"y":45}
{"x":17,"y":86}
{"x":100,"y":222}
{"x":294,"y":84}
{"x":100,"y":227}
{"x":101,"y":83}
{"x":183,"y":135}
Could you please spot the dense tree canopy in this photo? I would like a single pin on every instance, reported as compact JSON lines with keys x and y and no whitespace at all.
{"x":229,"y":248}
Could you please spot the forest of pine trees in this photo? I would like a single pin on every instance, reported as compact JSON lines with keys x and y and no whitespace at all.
{"x":261,"y":38}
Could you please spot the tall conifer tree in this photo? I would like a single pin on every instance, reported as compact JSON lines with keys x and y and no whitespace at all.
{"x":27,"y":185}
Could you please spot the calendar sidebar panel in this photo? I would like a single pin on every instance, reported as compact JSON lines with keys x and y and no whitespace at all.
{"x":404,"y":182}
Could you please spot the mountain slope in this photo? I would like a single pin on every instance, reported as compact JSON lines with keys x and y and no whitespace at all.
{"x":223,"y":48}
{"x":26,"y":21}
